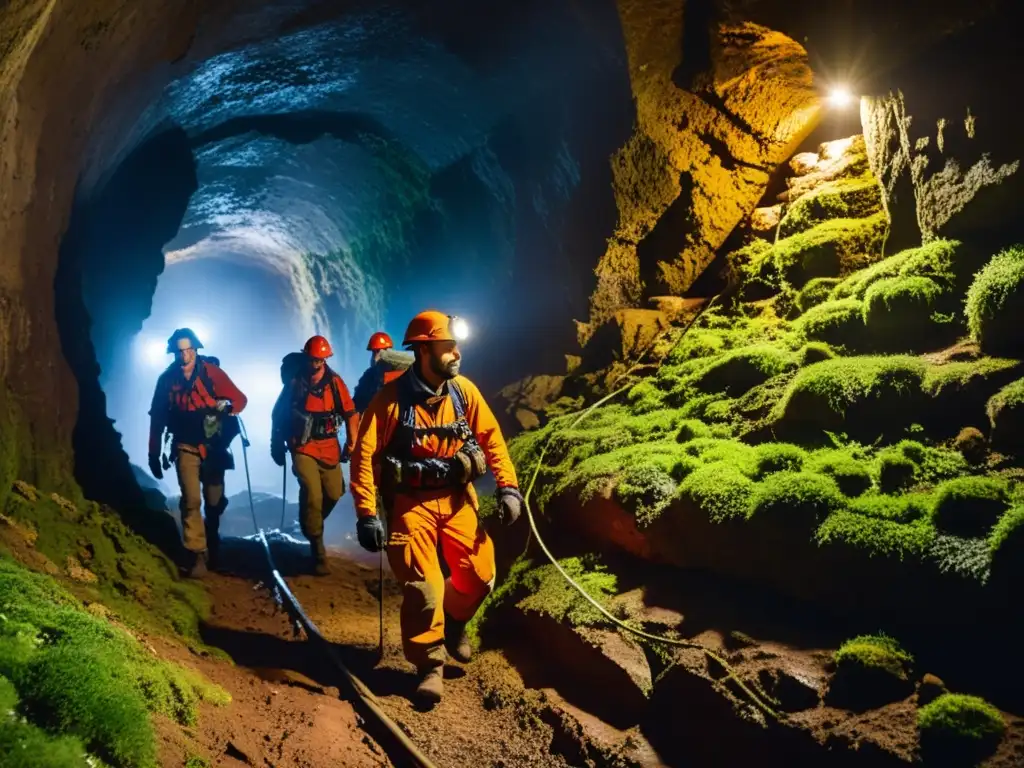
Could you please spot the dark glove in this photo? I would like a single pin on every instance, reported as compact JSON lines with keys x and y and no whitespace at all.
{"x":154,"y":466}
{"x":346,"y":454}
{"x":277,"y":453}
{"x":370,"y":532}
{"x":510,"y":505}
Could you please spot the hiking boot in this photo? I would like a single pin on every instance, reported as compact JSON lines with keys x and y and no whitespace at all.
{"x":319,"y":555}
{"x":198,"y":569}
{"x":212,"y":545}
{"x":456,"y":640}
{"x":431,"y":686}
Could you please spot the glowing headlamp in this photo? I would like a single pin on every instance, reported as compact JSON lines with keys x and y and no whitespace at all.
{"x":459,"y":327}
{"x":840,"y":97}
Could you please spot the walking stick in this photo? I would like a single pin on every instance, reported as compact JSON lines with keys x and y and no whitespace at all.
{"x":284,"y":493}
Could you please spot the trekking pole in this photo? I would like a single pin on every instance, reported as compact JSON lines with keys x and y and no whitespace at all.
{"x":248,"y":481}
{"x":284,"y":492}
{"x":380,"y":595}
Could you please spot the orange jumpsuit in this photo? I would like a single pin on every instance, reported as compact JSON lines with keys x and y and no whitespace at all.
{"x":419,"y":519}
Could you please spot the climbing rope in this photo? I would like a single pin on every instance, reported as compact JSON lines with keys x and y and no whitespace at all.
{"x":729,"y":670}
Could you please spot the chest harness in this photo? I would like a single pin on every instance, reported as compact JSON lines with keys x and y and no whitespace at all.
{"x":316,"y":425}
{"x":204,"y":426}
{"x":402,"y":470}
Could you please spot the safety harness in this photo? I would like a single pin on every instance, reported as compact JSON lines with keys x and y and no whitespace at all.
{"x":316,"y":425}
{"x":401,"y":470}
{"x":204,"y":426}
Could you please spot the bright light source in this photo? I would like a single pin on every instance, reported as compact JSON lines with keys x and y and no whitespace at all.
{"x":460,"y":329}
{"x":153,"y":351}
{"x":840,"y":97}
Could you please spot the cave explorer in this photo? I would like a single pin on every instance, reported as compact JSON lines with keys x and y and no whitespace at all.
{"x":306,"y":420}
{"x":386,"y":365}
{"x":197,"y":404}
{"x":427,"y":436}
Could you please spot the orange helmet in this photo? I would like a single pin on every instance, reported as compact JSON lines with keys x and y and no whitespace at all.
{"x":428,"y":326}
{"x":378,"y":341}
{"x":317,"y":347}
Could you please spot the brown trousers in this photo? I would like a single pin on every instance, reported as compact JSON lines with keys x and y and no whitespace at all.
{"x":199,"y":482}
{"x":320,"y":487}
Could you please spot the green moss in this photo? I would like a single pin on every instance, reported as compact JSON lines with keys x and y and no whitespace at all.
{"x":839,"y":323}
{"x":947,"y":262}
{"x":864,"y":396}
{"x":738,"y":371}
{"x":849,"y":467}
{"x":876,"y":536}
{"x":900,"y":314}
{"x":854,"y":286}
{"x":845,"y":198}
{"x":969,"y":506}
{"x":908,"y":508}
{"x":647,"y":490}
{"x":549,"y":594}
{"x":777,"y":457}
{"x":930,"y":464}
{"x":133,"y":577}
{"x":995,"y":304}
{"x":955,"y":724}
{"x":698,"y":343}
{"x":23,"y":745}
{"x":712,"y":449}
{"x":78,"y":674}
{"x":875,"y":652}
{"x":814,"y":352}
{"x":1006,"y":544}
{"x":691,"y":429}
{"x":895,"y":473}
{"x":830,"y":249}
{"x":720,"y":490}
{"x":815,"y":292}
{"x":1005,"y":411}
{"x":803,"y":498}
{"x":645,"y":396}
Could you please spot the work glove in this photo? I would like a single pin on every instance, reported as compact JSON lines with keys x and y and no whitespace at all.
{"x":370,"y":532}
{"x":154,"y":466}
{"x":510,"y":504}
{"x":224,"y":406}
{"x":277,"y":453}
{"x":346,"y":453}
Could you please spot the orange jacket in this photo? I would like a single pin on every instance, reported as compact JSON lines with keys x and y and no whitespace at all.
{"x":176,"y":393}
{"x":326,"y":450}
{"x":381,"y":418}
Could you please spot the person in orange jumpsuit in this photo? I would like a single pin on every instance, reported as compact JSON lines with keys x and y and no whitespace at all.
{"x":195,"y":402}
{"x":386,"y":365}
{"x":306,"y":420}
{"x":427,"y":436}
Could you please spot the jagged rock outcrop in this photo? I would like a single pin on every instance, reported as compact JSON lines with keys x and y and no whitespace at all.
{"x":718,"y":107}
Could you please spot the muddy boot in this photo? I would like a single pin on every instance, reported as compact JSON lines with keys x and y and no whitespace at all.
{"x":198,"y":569}
{"x":431,"y":686}
{"x":319,"y":555}
{"x":456,"y":640}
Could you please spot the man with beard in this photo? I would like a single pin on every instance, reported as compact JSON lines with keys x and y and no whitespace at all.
{"x":427,"y":436}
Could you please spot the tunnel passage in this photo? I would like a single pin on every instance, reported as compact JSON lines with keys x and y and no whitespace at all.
{"x":337,"y":178}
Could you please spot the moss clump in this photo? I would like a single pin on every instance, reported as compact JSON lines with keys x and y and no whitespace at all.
{"x":814,"y":352}
{"x":549,"y":594}
{"x":720,"y":490}
{"x":830,"y":249}
{"x":970,"y":443}
{"x":1006,"y":417}
{"x":900,"y":314}
{"x":854,"y":286}
{"x":79,"y":675}
{"x":839,"y":323}
{"x":908,"y":508}
{"x":646,"y":490}
{"x":957,"y":729}
{"x":877,"y":537}
{"x":712,"y":449}
{"x":737,"y":372}
{"x":995,"y":304}
{"x":895,"y":472}
{"x":23,"y":745}
{"x":770,"y":458}
{"x":698,"y":343}
{"x":802,"y":499}
{"x":1006,"y":543}
{"x":845,"y":198}
{"x":969,"y":506}
{"x":871,"y":670}
{"x":815,"y":292}
{"x":867,"y":397}
{"x":691,"y":429}
{"x":849,"y":467}
{"x":947,"y":262}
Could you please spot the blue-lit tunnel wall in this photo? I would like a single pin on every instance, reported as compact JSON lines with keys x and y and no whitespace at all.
{"x":338,"y":179}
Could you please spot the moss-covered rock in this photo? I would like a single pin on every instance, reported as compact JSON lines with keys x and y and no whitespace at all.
{"x":795,"y":499}
{"x":839,"y":323}
{"x":814,"y":352}
{"x":958,"y":729}
{"x":815,"y":292}
{"x":971,"y":444}
{"x":80,"y":675}
{"x":833,"y":248}
{"x":849,"y":467}
{"x":995,"y":304}
{"x":1006,"y":543}
{"x":855,"y":197}
{"x":866,"y":397}
{"x":720,"y":490}
{"x":1006,"y":418}
{"x":736,"y":372}
{"x":770,"y":458}
{"x":871,"y":670}
{"x":970,"y":506}
{"x":877,"y":537}
{"x":900,"y":314}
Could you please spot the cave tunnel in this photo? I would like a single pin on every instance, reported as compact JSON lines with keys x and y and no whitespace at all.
{"x":336,"y":173}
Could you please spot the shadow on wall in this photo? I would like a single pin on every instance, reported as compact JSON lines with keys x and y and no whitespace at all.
{"x":110,"y":260}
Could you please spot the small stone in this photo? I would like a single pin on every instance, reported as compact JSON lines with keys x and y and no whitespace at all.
{"x":79,"y":573}
{"x":930,"y":688}
{"x":971,"y":444}
{"x":25,"y":490}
